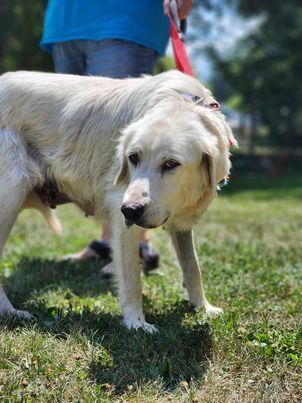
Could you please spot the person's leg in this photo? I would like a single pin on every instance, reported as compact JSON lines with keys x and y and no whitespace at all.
{"x":68,"y":58}
{"x":117,"y":58}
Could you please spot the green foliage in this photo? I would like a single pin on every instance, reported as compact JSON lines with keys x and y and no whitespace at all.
{"x":20,"y":32}
{"x":273,"y":342}
{"x":164,"y":64}
{"x":265,"y":70}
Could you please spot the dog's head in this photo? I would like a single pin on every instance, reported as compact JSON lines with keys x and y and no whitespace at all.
{"x":171,"y":162}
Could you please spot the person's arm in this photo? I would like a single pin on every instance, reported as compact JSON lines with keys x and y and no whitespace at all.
{"x":183,"y":7}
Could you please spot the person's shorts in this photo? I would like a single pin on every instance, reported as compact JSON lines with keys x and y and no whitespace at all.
{"x":113,"y":58}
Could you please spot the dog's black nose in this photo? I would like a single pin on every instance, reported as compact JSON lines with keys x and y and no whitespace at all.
{"x":132,"y":212}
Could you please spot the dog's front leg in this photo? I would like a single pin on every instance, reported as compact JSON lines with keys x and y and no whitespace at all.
{"x":183,"y":242}
{"x":128,"y":272}
{"x":6,"y":308}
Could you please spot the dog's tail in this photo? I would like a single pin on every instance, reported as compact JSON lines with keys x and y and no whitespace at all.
{"x":34,"y":201}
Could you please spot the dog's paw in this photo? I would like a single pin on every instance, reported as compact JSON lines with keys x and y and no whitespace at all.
{"x":213,"y":310}
{"x":148,"y":328}
{"x":139,"y":324}
{"x":23,"y":315}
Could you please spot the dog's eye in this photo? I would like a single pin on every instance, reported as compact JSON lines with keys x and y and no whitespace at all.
{"x":133,"y":158}
{"x":170,"y":164}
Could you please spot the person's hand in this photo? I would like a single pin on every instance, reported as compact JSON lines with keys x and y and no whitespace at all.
{"x":183,"y":7}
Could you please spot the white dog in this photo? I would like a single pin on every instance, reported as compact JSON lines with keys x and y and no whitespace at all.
{"x":146,"y":152}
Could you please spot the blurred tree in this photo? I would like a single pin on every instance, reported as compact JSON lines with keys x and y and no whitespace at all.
{"x":164,"y":64}
{"x":20,"y":32}
{"x":264,"y":69}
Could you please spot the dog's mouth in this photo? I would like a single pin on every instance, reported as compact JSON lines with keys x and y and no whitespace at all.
{"x":145,"y":224}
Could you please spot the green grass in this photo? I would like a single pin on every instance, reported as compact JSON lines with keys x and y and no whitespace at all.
{"x":249,"y":245}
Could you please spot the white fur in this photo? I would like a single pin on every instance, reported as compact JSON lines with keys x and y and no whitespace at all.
{"x":79,"y":132}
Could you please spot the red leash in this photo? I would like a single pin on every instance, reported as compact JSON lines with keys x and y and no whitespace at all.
{"x":180,"y":54}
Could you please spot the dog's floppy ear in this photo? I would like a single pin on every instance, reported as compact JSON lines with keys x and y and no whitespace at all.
{"x":216,"y":123}
{"x":122,"y":177}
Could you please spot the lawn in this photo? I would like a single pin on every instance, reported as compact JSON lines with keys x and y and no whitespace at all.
{"x":249,"y":245}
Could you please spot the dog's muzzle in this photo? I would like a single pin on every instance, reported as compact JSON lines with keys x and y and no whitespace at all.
{"x":132,"y":212}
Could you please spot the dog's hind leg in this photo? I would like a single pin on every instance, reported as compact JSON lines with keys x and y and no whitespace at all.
{"x":17,"y":177}
{"x":183,"y":242}
{"x":128,"y":272}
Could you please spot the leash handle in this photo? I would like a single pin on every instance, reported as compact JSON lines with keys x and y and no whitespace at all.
{"x":180,"y":54}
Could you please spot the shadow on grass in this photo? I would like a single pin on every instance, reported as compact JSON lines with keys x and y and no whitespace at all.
{"x":40,"y":275}
{"x":179,"y":351}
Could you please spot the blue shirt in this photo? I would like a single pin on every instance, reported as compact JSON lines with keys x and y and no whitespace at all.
{"x":139,"y":21}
